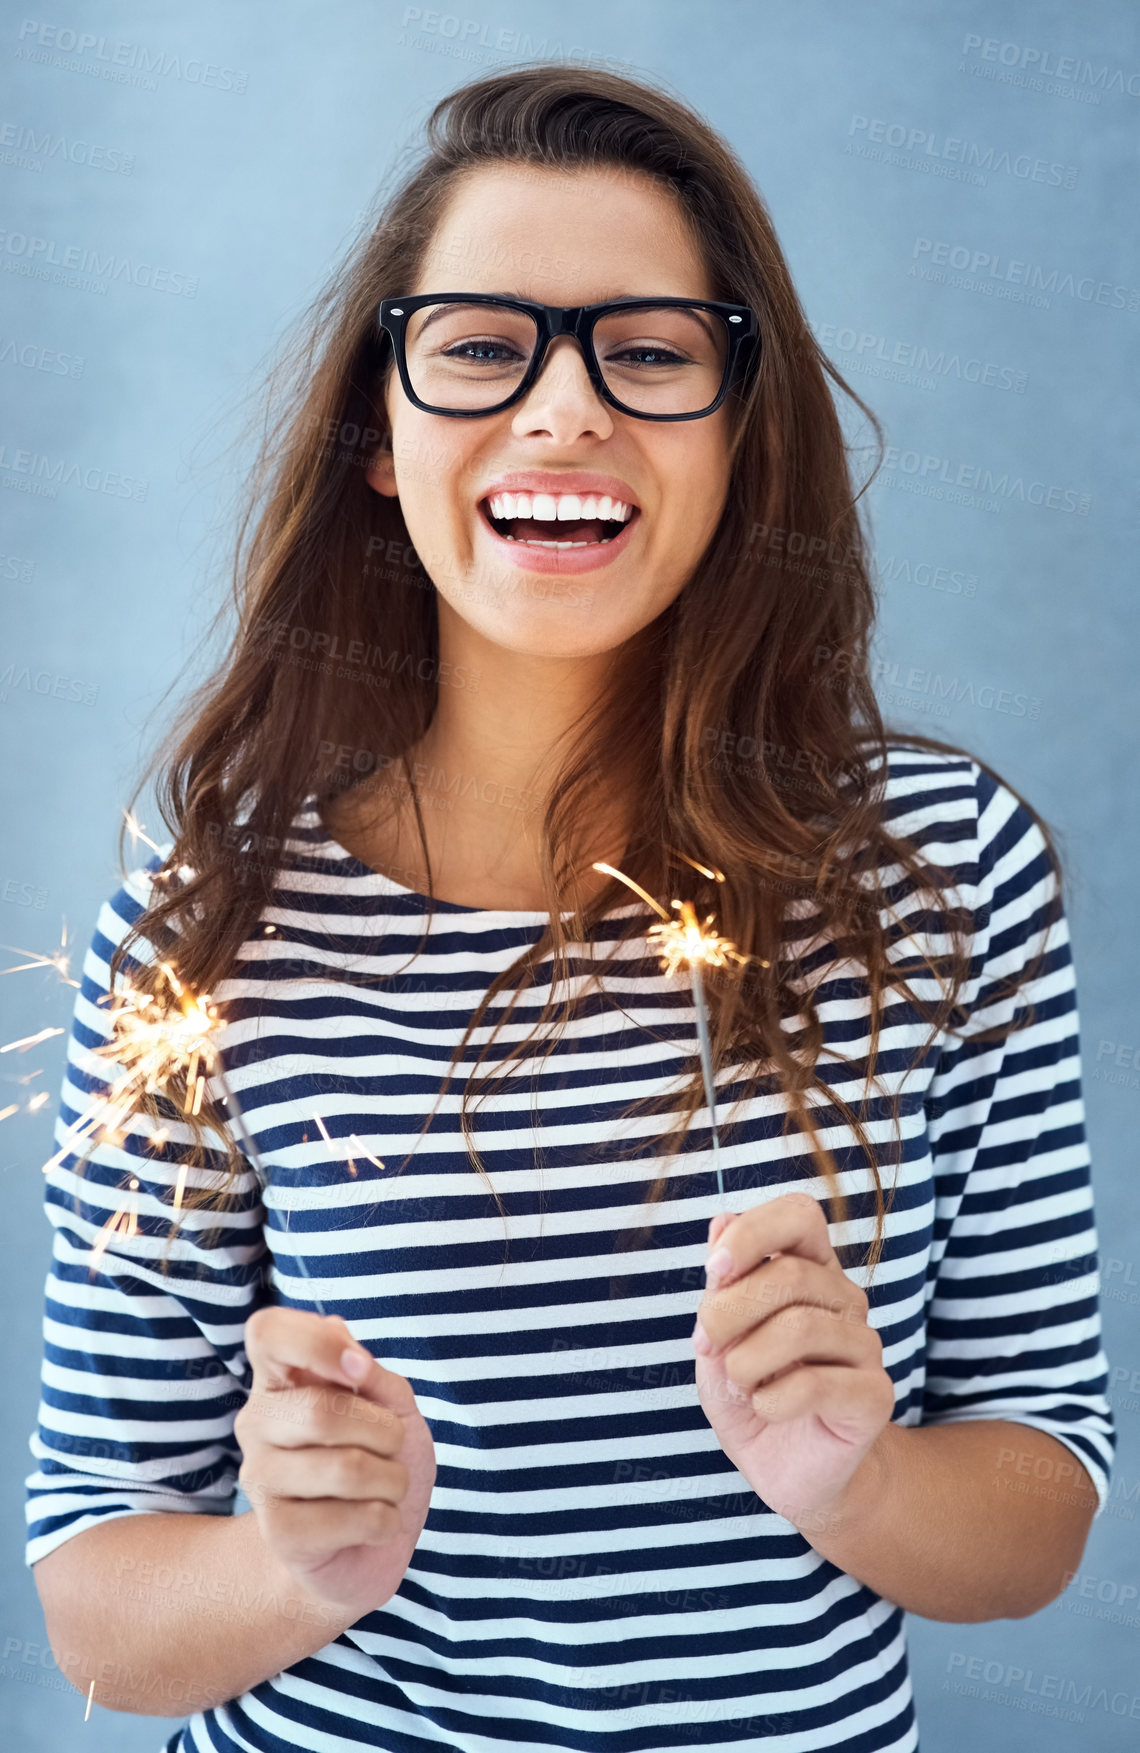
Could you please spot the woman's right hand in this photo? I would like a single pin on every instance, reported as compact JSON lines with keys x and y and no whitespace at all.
{"x":338,"y":1472}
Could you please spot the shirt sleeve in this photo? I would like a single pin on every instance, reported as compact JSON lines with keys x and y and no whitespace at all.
{"x":144,"y":1365}
{"x":1013,"y":1317}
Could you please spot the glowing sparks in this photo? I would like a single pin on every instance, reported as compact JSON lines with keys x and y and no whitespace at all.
{"x":124,"y":1221}
{"x":90,"y":1696}
{"x":685,"y":939}
{"x":686,"y":942}
{"x":325,"y":1136}
{"x":152,"y":1041}
{"x":30,"y":1041}
{"x":161,"y":1041}
{"x":353,"y":1140}
{"x":366,"y":1154}
{"x":137,"y":832}
{"x":335,"y":1155}
{"x":58,"y":959}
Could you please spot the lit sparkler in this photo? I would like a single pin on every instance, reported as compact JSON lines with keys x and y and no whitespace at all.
{"x":158,"y":1042}
{"x":58,"y":959}
{"x":152,"y":1040}
{"x":686,"y":940}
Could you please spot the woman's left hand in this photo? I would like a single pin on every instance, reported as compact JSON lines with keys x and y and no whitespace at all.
{"x":794,"y":1385}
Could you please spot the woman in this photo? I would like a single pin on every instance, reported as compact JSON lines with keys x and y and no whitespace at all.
{"x":537,"y":595}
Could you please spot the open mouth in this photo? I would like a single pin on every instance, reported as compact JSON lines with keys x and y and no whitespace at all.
{"x":578,"y":532}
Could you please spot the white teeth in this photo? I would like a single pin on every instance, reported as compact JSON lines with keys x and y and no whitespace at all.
{"x":559,"y":507}
{"x":531,"y":543}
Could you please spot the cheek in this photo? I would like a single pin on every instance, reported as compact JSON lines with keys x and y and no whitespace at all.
{"x":436,"y":479}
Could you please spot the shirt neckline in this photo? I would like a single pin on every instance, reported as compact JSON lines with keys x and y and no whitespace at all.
{"x":377,"y":881}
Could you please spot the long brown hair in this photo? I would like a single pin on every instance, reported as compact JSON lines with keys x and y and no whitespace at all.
{"x":765,"y":649}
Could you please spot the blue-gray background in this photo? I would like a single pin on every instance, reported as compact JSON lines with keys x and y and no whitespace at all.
{"x":242,"y":169}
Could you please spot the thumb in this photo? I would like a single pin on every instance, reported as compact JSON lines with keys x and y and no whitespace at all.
{"x":719,"y":1224}
{"x":383,"y":1386}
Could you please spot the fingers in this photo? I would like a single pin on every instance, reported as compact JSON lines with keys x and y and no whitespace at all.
{"x":348,"y":1474}
{"x":320,"y":1416}
{"x":301,"y":1397}
{"x":836,"y":1395}
{"x":718,"y":1225}
{"x":279,"y":1339}
{"x":307,"y":1533}
{"x":281,"y":1343}
{"x":793,"y":1223}
{"x":786,"y":1282}
{"x":796,"y":1337}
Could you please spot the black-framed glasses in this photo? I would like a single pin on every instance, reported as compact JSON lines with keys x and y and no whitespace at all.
{"x":467,"y":354}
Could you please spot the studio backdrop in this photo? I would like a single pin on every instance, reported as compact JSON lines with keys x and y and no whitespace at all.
{"x":954,"y":187}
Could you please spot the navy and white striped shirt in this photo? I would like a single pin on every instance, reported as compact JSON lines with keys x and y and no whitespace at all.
{"x":594,"y":1573}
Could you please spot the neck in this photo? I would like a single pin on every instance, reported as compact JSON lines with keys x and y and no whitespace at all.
{"x":503,"y":724}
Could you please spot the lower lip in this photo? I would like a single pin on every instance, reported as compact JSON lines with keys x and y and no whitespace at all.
{"x":561,"y":560}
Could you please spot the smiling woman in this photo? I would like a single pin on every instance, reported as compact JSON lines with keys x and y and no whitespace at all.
{"x":598,"y":435}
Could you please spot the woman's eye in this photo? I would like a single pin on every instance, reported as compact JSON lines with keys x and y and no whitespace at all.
{"x":480,"y":349}
{"x":660,"y":355}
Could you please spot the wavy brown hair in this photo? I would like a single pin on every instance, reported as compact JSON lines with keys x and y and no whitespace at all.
{"x":768,"y":640}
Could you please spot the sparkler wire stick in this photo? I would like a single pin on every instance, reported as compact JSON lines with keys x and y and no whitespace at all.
{"x":685,"y":940}
{"x":706,"y":1067}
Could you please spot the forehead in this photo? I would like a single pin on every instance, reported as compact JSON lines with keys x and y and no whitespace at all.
{"x":563,"y":237}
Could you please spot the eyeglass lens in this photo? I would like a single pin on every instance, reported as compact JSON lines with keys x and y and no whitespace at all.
{"x":657,"y":360}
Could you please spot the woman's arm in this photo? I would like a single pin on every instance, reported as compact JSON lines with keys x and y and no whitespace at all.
{"x":963,"y":1519}
{"x":978,"y":1510}
{"x":984,"y":1519}
{"x":171,"y":1613}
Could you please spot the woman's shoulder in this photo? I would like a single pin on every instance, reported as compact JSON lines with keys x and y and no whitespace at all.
{"x":962,"y":814}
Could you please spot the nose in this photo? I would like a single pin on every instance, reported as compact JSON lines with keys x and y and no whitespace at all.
{"x":562,"y":401}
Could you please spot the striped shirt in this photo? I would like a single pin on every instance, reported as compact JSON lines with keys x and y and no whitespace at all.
{"x":594,"y":1573}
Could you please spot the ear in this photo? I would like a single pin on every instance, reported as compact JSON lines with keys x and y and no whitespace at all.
{"x":381,"y":473}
